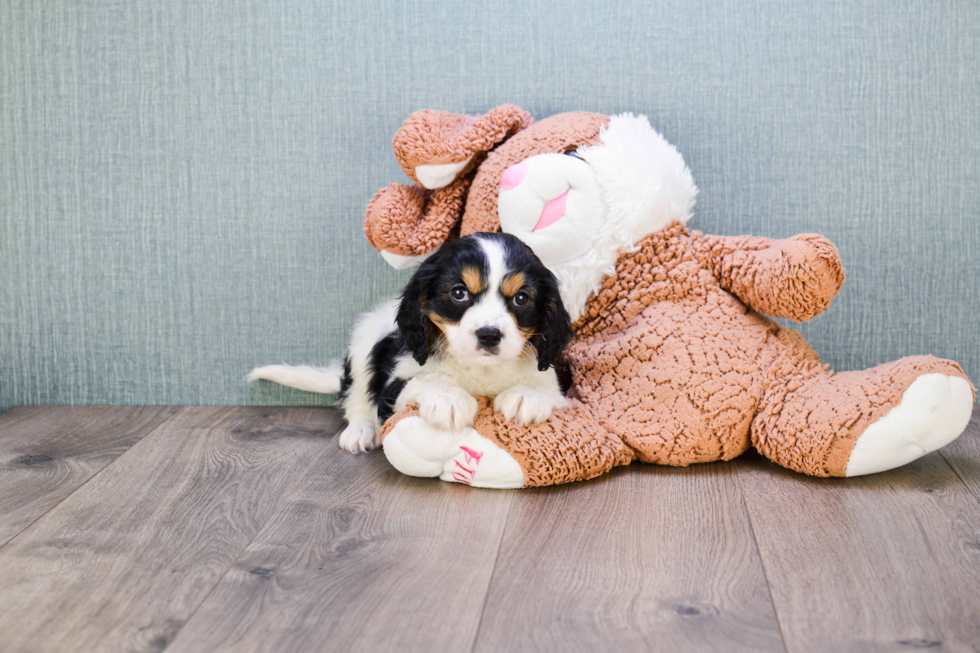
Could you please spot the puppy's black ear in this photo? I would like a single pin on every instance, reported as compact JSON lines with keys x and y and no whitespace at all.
{"x":554,"y":328}
{"x":412,"y":320}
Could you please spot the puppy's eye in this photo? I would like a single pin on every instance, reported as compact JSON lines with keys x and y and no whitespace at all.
{"x":520,"y":298}
{"x":459,"y":294}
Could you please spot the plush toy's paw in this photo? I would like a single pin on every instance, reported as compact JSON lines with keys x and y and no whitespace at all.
{"x":359,"y":436}
{"x":934,"y":410}
{"x":447,"y":408}
{"x":480,"y":463}
{"x":416,"y":449}
{"x":523,"y":405}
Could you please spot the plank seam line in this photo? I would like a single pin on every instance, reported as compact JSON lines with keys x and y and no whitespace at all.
{"x":968,"y":433}
{"x":758,"y":550}
{"x":93,"y":476}
{"x":493,"y":573}
{"x":962,"y":480}
{"x":259,"y":532}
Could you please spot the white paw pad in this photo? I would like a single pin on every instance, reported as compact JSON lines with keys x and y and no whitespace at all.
{"x":448,"y":409}
{"x":359,"y":436}
{"x":523,"y":405}
{"x":934,"y":410}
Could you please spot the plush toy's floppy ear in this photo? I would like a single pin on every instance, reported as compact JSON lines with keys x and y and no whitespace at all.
{"x":435,"y":148}
{"x":555,"y":327}
{"x":412,"y":320}
{"x":406,"y":223}
{"x":441,"y":151}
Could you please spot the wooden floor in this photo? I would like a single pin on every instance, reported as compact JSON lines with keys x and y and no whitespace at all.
{"x":248,"y":529}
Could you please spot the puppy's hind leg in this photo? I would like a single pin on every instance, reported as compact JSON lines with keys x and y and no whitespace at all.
{"x":361,"y":435}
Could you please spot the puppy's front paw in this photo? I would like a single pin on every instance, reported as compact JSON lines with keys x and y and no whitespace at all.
{"x":447,"y":409}
{"x":523,"y":405}
{"x":359,"y":436}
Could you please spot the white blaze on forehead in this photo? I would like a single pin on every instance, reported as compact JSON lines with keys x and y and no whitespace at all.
{"x":496,"y":262}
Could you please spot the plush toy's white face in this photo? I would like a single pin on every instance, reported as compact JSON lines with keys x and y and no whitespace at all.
{"x":597,"y":199}
{"x":578,"y":211}
{"x":553,"y":203}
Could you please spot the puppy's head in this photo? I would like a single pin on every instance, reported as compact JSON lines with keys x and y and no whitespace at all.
{"x":488,"y":299}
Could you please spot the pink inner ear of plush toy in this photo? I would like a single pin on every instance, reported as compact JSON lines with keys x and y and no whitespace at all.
{"x":553,"y":211}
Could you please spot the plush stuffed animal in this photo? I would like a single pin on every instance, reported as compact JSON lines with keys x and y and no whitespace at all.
{"x":674,"y":362}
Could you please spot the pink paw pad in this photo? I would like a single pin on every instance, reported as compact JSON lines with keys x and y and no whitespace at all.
{"x":513,"y":176}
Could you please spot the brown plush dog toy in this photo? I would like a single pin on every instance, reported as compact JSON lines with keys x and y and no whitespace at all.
{"x":674,"y":362}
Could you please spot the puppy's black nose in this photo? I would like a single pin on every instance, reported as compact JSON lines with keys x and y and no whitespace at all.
{"x":489,"y":337}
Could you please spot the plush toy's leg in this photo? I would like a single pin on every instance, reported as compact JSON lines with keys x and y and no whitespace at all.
{"x":933,"y":412}
{"x":416,"y":449}
{"x":854,"y":423}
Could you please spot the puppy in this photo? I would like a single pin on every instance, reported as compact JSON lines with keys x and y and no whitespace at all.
{"x":480,"y":317}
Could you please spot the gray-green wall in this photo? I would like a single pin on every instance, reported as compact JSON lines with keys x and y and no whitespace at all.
{"x":182,"y":183}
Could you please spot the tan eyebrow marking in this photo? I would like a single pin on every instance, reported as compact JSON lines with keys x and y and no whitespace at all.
{"x":440,"y":321}
{"x":512,"y":284}
{"x":473,"y":280}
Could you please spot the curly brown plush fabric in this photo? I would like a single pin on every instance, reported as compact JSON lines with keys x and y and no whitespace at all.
{"x":796,"y":280}
{"x":410,"y":220}
{"x":435,"y":137}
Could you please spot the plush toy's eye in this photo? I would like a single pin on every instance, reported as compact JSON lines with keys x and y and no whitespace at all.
{"x":573,"y":153}
{"x":459,"y":293}
{"x":520,"y":298}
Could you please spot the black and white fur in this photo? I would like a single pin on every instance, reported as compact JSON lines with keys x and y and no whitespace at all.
{"x":480,"y":317}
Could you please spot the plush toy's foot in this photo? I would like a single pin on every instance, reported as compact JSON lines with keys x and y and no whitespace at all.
{"x":934,"y":410}
{"x":416,"y":449}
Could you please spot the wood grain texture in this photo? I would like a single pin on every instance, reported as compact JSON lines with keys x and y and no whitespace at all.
{"x":125,"y":560}
{"x":358,"y":558}
{"x":963,"y":454}
{"x":883,"y":562}
{"x":47,"y":452}
{"x":646,"y":558}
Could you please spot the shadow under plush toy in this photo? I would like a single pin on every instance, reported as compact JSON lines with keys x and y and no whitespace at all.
{"x":674,"y":362}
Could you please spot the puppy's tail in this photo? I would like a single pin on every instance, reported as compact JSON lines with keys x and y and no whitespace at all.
{"x":325,"y":380}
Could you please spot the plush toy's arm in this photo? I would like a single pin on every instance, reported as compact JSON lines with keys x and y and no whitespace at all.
{"x":794,"y":278}
{"x":571,"y":446}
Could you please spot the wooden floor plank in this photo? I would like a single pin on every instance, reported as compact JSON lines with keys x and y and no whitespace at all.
{"x":358,"y":558}
{"x":883,"y":562}
{"x":963,"y":455}
{"x":47,"y":452}
{"x":127,"y":558}
{"x":646,"y":558}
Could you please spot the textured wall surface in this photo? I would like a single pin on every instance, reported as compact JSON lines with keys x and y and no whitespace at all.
{"x":182,"y":183}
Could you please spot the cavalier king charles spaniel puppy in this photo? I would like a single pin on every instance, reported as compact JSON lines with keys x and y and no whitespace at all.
{"x":482,"y":316}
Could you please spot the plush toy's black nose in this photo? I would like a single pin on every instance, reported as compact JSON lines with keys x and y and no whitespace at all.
{"x":489,"y":337}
